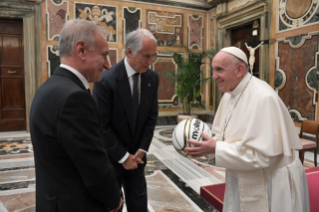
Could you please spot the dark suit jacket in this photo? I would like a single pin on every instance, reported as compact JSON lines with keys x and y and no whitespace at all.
{"x":73,"y":172}
{"x":115,"y":102}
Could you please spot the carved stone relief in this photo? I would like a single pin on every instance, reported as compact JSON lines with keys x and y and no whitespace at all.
{"x":167,"y":27}
{"x":103,"y":15}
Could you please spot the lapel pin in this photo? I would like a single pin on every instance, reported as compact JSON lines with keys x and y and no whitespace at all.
{"x":149,"y":84}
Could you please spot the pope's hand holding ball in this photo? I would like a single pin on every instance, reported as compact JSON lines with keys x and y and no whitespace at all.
{"x":191,"y":137}
{"x":200,"y":148}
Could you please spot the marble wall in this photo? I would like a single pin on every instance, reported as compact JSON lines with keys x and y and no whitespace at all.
{"x":173,"y":25}
{"x":294,"y":14}
{"x":295,"y":56}
{"x":57,"y":12}
{"x":167,"y":27}
{"x":300,"y":87}
{"x":195,"y":31}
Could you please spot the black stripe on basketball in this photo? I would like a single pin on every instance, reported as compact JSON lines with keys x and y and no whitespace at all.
{"x":184,"y":140}
{"x":200,"y":137}
{"x":189,"y":127}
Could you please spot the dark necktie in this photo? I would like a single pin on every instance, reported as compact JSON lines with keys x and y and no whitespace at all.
{"x":88,"y":90}
{"x":135,"y":97}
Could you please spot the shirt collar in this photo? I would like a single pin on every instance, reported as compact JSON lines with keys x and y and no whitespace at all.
{"x":129,"y":70}
{"x":78,"y":74}
{"x":241,"y":85}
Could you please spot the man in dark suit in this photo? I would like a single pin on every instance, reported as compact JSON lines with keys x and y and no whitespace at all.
{"x":73,"y":172}
{"x":127,"y":99}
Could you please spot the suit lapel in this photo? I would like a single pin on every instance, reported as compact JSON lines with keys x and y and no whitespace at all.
{"x":68,"y":74}
{"x":124,"y":92}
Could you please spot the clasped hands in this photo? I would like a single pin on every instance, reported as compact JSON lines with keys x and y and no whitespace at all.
{"x":200,"y":148}
{"x":133,"y":160}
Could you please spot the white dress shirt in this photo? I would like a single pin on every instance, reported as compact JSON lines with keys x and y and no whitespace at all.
{"x":78,"y":74}
{"x":130,"y":72}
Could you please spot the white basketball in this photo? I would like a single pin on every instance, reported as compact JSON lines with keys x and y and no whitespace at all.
{"x":189,"y":129}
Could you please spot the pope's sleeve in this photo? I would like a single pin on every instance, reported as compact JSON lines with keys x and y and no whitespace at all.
{"x":229,"y":157}
{"x":261,"y":145}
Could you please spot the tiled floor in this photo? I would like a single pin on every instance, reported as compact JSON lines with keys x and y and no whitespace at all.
{"x":173,"y":180}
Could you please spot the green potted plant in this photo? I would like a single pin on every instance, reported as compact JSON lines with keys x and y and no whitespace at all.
{"x":188,"y":79}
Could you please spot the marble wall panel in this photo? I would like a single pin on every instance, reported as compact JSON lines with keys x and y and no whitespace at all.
{"x":212,"y":32}
{"x":195,"y":31}
{"x":103,"y":15}
{"x":293,"y":14}
{"x":166,"y":90}
{"x":167,"y":27}
{"x":297,"y":68}
{"x":57,"y":13}
{"x":112,"y":57}
{"x":131,"y":20}
{"x":53,"y":59}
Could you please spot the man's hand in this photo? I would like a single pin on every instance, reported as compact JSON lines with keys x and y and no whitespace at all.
{"x":201,"y":147}
{"x":139,"y":156}
{"x":130,"y":163}
{"x":119,"y":207}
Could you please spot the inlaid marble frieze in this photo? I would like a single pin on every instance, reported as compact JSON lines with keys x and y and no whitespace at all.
{"x":295,"y":77}
{"x":167,"y":27}
{"x":103,"y":15}
{"x":294,"y":14}
{"x":163,"y":64}
{"x":57,"y":13}
{"x":131,"y":20}
{"x":195,"y":31}
{"x":53,"y":59}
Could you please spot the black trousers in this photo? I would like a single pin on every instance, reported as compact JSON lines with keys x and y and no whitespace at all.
{"x":135,"y":188}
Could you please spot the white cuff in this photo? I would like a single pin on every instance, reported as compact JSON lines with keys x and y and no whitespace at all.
{"x":124,"y":158}
{"x":143,"y":150}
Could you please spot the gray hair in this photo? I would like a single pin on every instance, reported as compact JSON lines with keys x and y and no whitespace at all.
{"x":135,"y":40}
{"x":76,"y":30}
{"x":235,"y":61}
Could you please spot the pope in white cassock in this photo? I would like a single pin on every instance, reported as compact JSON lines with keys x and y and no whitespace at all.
{"x":255,"y":139}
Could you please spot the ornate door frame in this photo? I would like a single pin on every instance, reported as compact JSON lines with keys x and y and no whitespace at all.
{"x":30,"y":12}
{"x":225,"y":21}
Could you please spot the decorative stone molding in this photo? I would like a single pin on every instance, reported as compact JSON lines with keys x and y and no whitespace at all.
{"x":296,"y":115}
{"x":247,"y":14}
{"x":295,"y":14}
{"x":237,"y":3}
{"x":221,"y":8}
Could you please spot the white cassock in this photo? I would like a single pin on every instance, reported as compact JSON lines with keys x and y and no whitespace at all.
{"x":263,"y":173}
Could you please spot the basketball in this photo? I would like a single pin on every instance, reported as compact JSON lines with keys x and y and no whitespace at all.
{"x":188,"y":129}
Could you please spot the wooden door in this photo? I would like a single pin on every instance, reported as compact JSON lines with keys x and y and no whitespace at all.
{"x":242,"y":35}
{"x":12,"y":89}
